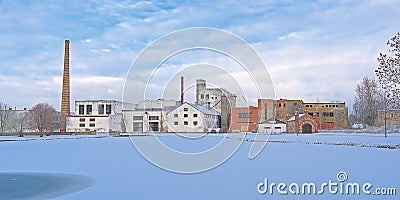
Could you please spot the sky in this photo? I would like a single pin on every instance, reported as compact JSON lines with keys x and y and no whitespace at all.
{"x":313,"y":50}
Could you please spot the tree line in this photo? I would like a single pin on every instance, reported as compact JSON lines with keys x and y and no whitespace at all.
{"x":373,"y":95}
{"x":42,"y":119}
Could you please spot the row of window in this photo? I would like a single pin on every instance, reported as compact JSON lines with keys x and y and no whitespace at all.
{"x":185,"y":123}
{"x":207,"y":97}
{"x":185,"y":115}
{"x":140,"y":117}
{"x":326,"y":106}
{"x":90,"y":119}
{"x":328,"y":114}
{"x":89,"y":109}
{"x":90,"y":125}
{"x":244,"y":115}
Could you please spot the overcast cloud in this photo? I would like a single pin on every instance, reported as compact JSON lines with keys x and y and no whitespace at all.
{"x":313,"y":49}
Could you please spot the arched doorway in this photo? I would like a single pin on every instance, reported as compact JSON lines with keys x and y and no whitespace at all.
{"x":306,"y":128}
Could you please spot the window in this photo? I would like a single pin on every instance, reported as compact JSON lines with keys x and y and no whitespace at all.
{"x":327,"y":114}
{"x":244,"y":115}
{"x":138,"y":117}
{"x":185,"y":123}
{"x":81,"y":125}
{"x":88,"y":109}
{"x":92,"y":125}
{"x":194,"y":123}
{"x":280,"y":105}
{"x":92,"y":119}
{"x":137,"y":126}
{"x":207,"y":96}
{"x":153,"y":117}
{"x":185,"y":115}
{"x":185,"y":109}
{"x":101,"y":109}
{"x":81,"y":109}
{"x":176,"y":123}
{"x":201,"y":96}
{"x":108,"y":109}
{"x":195,"y":115}
{"x":153,"y":126}
{"x":81,"y":119}
{"x":284,"y":104}
{"x":175,"y":115}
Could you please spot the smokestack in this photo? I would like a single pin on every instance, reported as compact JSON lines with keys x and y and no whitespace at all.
{"x":65,"y":93}
{"x":182,"y":88}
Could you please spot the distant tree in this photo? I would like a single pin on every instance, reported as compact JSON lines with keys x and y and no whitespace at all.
{"x":5,"y":116}
{"x":367,"y":102}
{"x":42,"y":118}
{"x":352,"y":118}
{"x":19,"y":122}
{"x":388,"y":72}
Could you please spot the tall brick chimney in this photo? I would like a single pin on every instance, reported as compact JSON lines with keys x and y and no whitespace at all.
{"x":65,"y":93}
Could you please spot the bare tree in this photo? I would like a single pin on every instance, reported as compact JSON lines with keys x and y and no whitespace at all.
{"x":367,"y":102}
{"x":5,"y":116}
{"x":388,"y":72}
{"x":19,"y":122}
{"x":42,"y":117}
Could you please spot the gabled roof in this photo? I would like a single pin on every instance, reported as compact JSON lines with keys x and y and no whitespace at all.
{"x":203,"y":109}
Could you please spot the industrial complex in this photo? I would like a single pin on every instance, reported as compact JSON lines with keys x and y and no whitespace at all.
{"x":213,"y":111}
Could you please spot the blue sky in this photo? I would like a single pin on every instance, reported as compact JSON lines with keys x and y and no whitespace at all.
{"x":313,"y":49}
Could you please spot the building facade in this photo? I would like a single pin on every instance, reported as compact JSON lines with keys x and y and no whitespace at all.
{"x":217,"y":99}
{"x":97,"y":116}
{"x":272,"y":127}
{"x":266,"y":110}
{"x":191,"y":118}
{"x":285,"y":109}
{"x":302,"y":123}
{"x":392,"y":117}
{"x":148,"y":116}
{"x":244,"y":119}
{"x":330,"y":115}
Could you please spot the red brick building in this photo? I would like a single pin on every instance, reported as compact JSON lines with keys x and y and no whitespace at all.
{"x":302,"y":123}
{"x":244,"y":119}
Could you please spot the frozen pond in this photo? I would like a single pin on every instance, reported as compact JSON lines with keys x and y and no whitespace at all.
{"x":40,"y":185}
{"x":112,"y":168}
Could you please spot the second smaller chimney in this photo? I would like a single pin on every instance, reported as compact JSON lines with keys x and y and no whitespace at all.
{"x":182,"y":89}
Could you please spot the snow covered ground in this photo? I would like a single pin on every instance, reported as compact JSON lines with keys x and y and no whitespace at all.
{"x":120,"y":172}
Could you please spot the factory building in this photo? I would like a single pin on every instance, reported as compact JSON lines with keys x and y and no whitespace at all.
{"x":96,"y":116}
{"x":191,"y":118}
{"x":218,"y":99}
{"x":148,"y":116}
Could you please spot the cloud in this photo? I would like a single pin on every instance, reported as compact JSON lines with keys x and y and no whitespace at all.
{"x":312,"y":48}
{"x":295,"y":35}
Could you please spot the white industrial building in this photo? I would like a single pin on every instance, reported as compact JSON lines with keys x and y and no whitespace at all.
{"x":148,"y":116}
{"x":192,"y":118}
{"x":97,"y":116}
{"x":272,"y":127}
